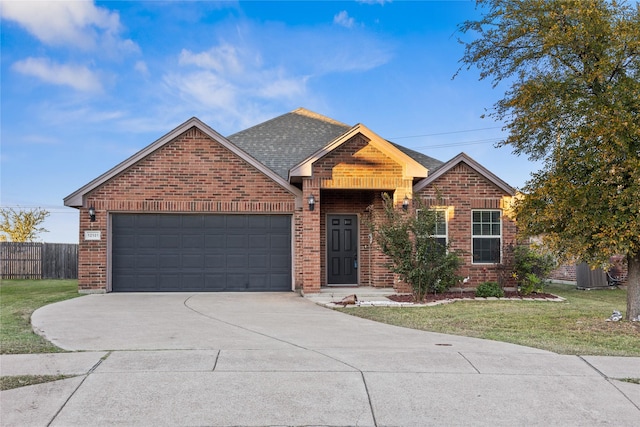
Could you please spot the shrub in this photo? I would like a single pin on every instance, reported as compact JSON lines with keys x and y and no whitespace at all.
{"x":489,"y":289}
{"x":406,"y":237}
{"x":531,"y":267}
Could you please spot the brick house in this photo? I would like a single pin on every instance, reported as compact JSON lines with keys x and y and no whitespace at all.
{"x":279,"y":206}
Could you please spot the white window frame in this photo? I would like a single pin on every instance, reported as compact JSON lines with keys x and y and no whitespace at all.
{"x":486,"y":236}
{"x":445,"y":212}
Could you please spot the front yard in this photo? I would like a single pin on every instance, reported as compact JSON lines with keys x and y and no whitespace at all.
{"x":576,"y":326}
{"x":20,"y":298}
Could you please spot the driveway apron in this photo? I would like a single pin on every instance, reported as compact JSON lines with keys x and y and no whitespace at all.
{"x":232,"y":359}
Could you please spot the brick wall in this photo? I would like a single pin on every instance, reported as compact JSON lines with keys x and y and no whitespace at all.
{"x":192,"y":173}
{"x":463,"y":189}
{"x":372,"y":263}
{"x":347,"y":181}
{"x":564,"y":272}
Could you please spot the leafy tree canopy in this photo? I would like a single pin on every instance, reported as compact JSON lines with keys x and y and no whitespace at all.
{"x":21,"y":225}
{"x":573,"y":102}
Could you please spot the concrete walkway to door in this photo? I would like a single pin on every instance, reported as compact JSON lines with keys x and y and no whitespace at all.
{"x":267,"y":359}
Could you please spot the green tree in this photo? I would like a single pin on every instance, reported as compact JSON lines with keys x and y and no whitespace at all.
{"x":573,"y":102}
{"x":21,"y":225}
{"x":416,"y":256}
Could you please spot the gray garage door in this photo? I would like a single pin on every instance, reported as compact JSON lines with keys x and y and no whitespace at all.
{"x":164,"y":253}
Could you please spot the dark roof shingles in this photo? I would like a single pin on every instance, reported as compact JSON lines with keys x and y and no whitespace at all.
{"x":283,"y":142}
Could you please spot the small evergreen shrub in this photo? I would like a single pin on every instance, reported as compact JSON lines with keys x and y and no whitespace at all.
{"x":489,"y":289}
{"x":531,"y":266}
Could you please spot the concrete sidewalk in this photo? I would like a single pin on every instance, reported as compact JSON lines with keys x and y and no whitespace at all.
{"x":278,"y":359}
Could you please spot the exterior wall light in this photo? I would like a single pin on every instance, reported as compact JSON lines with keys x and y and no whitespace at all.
{"x":312,"y":202}
{"x":92,"y":214}
{"x":405,"y":203}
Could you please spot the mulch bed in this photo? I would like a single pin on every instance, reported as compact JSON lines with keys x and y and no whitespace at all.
{"x":461,"y":295}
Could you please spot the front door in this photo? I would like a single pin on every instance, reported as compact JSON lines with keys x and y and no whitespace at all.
{"x":342,"y":250}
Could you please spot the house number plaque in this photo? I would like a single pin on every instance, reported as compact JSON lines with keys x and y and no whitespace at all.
{"x":92,"y":235}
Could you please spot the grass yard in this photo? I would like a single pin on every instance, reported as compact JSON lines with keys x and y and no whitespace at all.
{"x":576,"y":326}
{"x":20,"y":298}
{"x":8,"y":383}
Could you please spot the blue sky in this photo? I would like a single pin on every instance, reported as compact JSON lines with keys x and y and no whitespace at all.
{"x":85,"y":84}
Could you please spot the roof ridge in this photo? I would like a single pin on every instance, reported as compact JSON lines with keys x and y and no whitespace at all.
{"x":312,"y":114}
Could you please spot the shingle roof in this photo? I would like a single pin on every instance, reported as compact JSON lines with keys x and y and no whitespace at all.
{"x":285,"y":141}
{"x":428,"y":162}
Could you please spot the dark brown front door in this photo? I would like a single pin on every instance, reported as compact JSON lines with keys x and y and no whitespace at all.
{"x":342,"y":250}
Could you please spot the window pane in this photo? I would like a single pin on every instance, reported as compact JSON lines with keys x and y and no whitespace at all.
{"x":486,"y":223}
{"x":486,"y":250}
{"x":441,"y":224}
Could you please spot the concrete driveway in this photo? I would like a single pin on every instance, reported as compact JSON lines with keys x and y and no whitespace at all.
{"x":230,"y":359}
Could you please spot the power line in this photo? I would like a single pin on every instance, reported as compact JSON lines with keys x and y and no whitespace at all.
{"x":458,"y":144}
{"x":446,"y":133}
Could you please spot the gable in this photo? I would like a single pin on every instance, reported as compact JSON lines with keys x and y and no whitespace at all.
{"x":465,"y":169}
{"x":203,"y":140}
{"x":410,"y":167}
{"x":357,"y":164}
{"x":191,"y":167}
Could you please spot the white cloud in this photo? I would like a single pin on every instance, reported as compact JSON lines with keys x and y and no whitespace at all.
{"x":343,"y":19}
{"x":76,"y":76}
{"x":205,"y":87}
{"x":76,"y":23}
{"x":227,"y":73}
{"x":283,"y":87}
{"x":223,"y":58}
{"x":141,"y":67}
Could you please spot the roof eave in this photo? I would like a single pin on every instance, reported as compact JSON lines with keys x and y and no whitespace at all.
{"x":411,"y":167}
{"x":463,"y":157}
{"x":76,"y":199}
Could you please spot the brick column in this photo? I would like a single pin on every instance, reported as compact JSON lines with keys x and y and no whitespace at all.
{"x":311,"y":252}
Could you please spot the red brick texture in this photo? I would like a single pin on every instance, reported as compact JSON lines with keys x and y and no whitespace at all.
{"x":192,"y":173}
{"x":347,"y":181}
{"x":462,"y":190}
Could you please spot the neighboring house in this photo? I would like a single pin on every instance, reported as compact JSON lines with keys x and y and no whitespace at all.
{"x":279,"y":206}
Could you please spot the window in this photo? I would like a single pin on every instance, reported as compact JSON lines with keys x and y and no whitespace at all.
{"x":440,"y":229}
{"x":440,"y":232}
{"x":486,"y":236}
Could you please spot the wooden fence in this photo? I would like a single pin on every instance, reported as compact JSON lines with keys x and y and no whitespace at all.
{"x":34,"y":260}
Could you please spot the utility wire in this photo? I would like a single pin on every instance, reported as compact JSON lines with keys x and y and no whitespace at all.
{"x":446,"y":133}
{"x":457,"y":144}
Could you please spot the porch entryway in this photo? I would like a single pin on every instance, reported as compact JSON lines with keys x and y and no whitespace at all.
{"x":342,"y":250}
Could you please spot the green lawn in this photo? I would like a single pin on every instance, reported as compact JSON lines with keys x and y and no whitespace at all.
{"x":576,"y":326}
{"x":20,"y":298}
